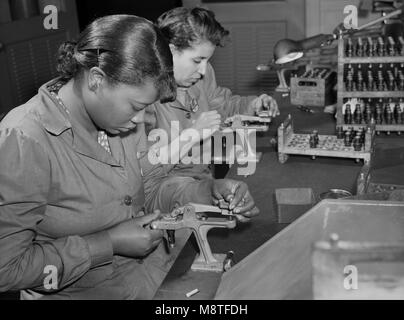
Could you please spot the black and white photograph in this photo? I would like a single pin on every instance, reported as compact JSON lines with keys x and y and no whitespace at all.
{"x":204,"y":156}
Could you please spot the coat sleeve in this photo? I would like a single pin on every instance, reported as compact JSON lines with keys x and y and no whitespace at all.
{"x":153,"y":170}
{"x":222,"y":99}
{"x":25,"y":263}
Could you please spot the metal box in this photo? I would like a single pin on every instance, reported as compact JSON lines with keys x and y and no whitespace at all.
{"x":282,"y":267}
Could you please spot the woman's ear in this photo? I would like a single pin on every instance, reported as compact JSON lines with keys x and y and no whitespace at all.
{"x":96,"y":77}
{"x":173,"y":49}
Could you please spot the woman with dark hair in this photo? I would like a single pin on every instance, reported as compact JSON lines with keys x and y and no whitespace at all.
{"x":201,"y":104}
{"x":71,"y":208}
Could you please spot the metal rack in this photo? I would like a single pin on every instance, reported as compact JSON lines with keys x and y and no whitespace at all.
{"x":371,"y":59}
{"x":291,"y":143}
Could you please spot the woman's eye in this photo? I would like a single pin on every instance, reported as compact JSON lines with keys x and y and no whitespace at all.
{"x":135,"y":108}
{"x":197,"y":61}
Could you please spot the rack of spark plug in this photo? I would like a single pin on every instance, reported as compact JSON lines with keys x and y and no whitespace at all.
{"x":371,"y":83}
{"x":354,"y":144}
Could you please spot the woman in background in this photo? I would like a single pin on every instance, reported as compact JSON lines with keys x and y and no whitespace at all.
{"x":193,"y":35}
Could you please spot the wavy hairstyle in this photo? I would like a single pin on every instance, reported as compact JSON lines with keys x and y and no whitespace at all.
{"x":183,"y":27}
{"x":129,"y":49}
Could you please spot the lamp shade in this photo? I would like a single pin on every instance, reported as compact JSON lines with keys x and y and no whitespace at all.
{"x":287,"y":50}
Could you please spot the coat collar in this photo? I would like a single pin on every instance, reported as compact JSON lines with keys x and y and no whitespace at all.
{"x":59,"y":123}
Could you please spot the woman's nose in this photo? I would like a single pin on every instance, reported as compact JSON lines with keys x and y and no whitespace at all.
{"x":139,"y":117}
{"x":202,"y":69}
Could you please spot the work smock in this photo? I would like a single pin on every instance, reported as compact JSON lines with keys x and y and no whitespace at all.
{"x":203,"y":96}
{"x":59,"y":191}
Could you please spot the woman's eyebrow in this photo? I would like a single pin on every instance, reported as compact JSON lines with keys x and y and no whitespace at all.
{"x":140,"y":104}
{"x":200,"y":57}
{"x":136,"y":105}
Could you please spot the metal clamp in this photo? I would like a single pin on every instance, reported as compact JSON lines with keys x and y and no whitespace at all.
{"x":258,"y":123}
{"x":195,"y":217}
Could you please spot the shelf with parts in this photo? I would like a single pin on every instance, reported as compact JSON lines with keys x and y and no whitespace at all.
{"x":366,"y":63}
{"x":291,"y":143}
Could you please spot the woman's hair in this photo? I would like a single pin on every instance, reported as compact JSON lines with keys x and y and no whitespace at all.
{"x":129,"y":49}
{"x":183,"y":27}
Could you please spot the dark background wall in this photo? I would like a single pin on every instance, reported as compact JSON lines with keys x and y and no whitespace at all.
{"x":88,"y":10}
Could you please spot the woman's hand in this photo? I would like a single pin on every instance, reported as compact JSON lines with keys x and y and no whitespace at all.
{"x":236,"y":194}
{"x":134,"y":238}
{"x":207,"y":120}
{"x":265,"y":102}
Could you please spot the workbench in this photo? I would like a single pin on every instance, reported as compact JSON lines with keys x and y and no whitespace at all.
{"x":320,"y":174}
